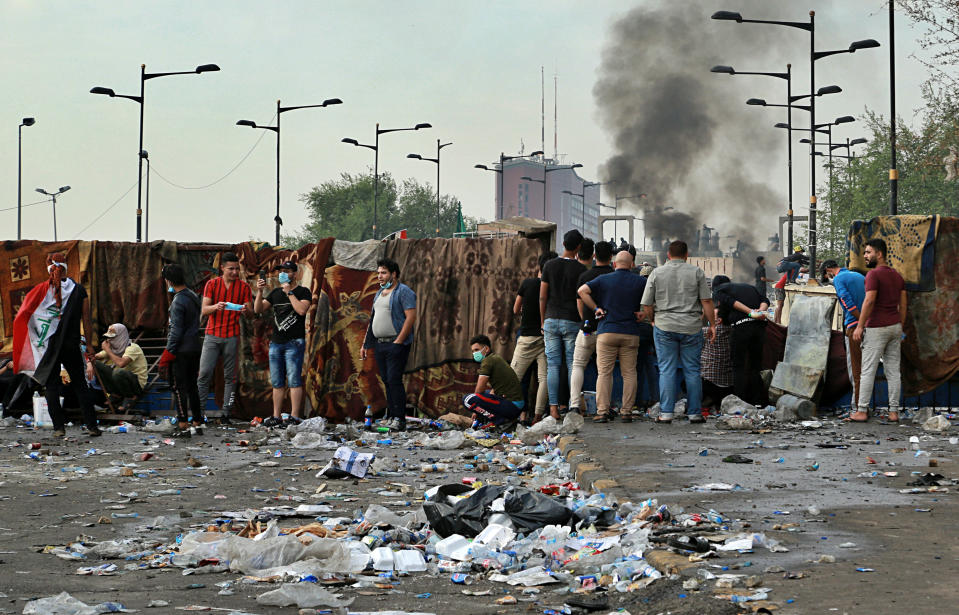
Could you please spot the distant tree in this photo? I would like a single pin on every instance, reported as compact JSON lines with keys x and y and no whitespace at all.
{"x":940,"y":18}
{"x":343,"y":208}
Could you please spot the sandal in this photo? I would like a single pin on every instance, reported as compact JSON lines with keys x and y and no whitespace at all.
{"x":890,"y":416}
{"x":665,"y":419}
{"x":601,"y":418}
{"x":852,"y":417}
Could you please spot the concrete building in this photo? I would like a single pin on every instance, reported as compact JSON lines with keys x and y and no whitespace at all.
{"x":526,"y":198}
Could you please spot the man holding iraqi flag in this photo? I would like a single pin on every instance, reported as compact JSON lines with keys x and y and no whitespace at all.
{"x":46,"y":335}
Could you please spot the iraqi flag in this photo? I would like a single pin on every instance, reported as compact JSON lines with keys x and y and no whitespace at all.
{"x":35,"y":343}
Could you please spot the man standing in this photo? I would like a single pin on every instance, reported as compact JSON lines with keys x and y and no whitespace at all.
{"x":180,"y":362}
{"x":615,"y":299}
{"x":586,"y":337}
{"x":121,"y":364}
{"x":880,"y":328}
{"x":557,"y":307}
{"x":780,"y":288}
{"x":224,"y":299}
{"x":529,"y":345}
{"x":675,"y":299}
{"x":761,"y":275}
{"x":290,"y":302}
{"x":716,"y":364}
{"x":46,"y":335}
{"x":744,"y":310}
{"x":498,"y":396}
{"x":851,"y":290}
{"x":585,"y":254}
{"x":389,"y":335}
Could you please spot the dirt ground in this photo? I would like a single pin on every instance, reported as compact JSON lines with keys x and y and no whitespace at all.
{"x":914,"y":555}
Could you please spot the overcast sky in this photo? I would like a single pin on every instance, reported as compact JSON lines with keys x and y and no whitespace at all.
{"x":471,"y":69}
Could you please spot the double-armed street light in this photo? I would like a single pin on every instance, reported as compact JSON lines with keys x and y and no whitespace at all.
{"x":144,"y":77}
{"x":53,"y":197}
{"x":280,"y":110}
{"x":814,"y":55}
{"x":439,"y":148}
{"x":376,"y":159}
{"x":27,"y":121}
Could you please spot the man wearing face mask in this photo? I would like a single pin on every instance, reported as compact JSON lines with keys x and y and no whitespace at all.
{"x":121,"y":365}
{"x":180,"y":361}
{"x":290,"y":302}
{"x":390,"y":335}
{"x":498,"y":397}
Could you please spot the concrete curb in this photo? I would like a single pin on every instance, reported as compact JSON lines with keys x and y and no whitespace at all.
{"x":586,"y":470}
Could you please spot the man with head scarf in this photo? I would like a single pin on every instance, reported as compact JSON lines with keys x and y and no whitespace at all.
{"x":46,"y":335}
{"x":121,"y":366}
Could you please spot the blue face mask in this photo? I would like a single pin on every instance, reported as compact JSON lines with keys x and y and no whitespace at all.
{"x":284,"y":277}
{"x":83,"y":349}
{"x":478,"y":356}
{"x":387,"y":285}
{"x":170,"y":289}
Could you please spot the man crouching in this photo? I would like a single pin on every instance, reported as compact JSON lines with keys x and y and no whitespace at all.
{"x":498,"y":397}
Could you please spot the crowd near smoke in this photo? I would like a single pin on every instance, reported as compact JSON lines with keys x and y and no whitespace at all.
{"x":679,"y":137}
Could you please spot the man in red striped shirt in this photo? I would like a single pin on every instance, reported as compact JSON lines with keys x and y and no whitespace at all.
{"x":224,"y":299}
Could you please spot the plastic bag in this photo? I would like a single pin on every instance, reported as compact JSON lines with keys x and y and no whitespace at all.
{"x":65,"y":604}
{"x":526,"y":509}
{"x":317,"y":425}
{"x":256,"y":557}
{"x":308,"y":439}
{"x":303,"y":595}
{"x":376,"y":514}
{"x":445,"y":441}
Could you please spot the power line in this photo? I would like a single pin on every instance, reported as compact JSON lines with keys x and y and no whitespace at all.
{"x":105,"y":211}
{"x":26,"y":205}
{"x":213,"y":183}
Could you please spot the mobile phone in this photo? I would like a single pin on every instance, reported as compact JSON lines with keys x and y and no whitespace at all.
{"x":262,"y":274}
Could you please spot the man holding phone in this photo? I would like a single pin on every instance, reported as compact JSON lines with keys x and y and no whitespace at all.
{"x":224,"y":299}
{"x":290,"y":302}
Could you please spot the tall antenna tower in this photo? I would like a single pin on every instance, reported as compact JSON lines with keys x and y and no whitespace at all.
{"x":555,"y":117}
{"x":542,"y":108}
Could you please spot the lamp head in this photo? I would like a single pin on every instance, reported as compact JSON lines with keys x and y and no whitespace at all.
{"x":350,"y":141}
{"x":863,"y":44}
{"x":104,"y":91}
{"x":481,"y":166}
{"x":781,"y":125}
{"x":846,"y":119}
{"x":728,"y":16}
{"x":576,"y":166}
{"x":42,"y":191}
{"x":64,"y":189}
{"x":729,"y":70}
{"x":28,"y":121}
{"x":207,"y":68}
{"x":804,"y":140}
{"x":858,"y":141}
{"x":332,"y":101}
{"x":249,"y":123}
{"x":756,"y":102}
{"x":526,"y":178}
{"x":416,"y":156}
{"x":828,"y":89}
{"x":423,"y":125}
{"x":538,"y":153}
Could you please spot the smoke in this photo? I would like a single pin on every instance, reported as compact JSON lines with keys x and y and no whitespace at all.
{"x":683,"y":136}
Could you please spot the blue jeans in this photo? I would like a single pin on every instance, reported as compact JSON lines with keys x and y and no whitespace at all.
{"x":675,"y":350}
{"x":286,"y":363}
{"x":792,"y":269}
{"x":558,"y":334}
{"x":391,"y":361}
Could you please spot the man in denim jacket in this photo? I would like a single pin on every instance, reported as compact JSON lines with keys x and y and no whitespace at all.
{"x":390,"y":335}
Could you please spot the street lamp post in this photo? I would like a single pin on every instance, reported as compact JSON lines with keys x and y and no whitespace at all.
{"x":729,"y":70}
{"x":893,"y":171}
{"x":146,"y":231}
{"x":582,"y":196}
{"x":813,"y":56}
{"x":376,"y":159}
{"x":439,"y":147}
{"x":53,"y":196}
{"x":278,"y":221}
{"x":144,"y":77}
{"x":27,"y":121}
{"x":539,"y":181}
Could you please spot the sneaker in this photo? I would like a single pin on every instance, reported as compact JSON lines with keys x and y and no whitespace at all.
{"x":293,"y":420}
{"x":664,"y":418}
{"x":181,"y":433}
{"x":697,"y":418}
{"x":93,"y":432}
{"x":273,"y":421}
{"x":196,"y":430}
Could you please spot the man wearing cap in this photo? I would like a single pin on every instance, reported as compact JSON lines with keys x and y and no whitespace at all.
{"x":851,"y":290}
{"x":290,"y":302}
{"x":792,"y":264}
{"x":225,"y":298}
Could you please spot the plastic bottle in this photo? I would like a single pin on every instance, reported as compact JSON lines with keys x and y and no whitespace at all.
{"x":368,"y":418}
{"x":385,"y":441}
{"x":434,"y":467}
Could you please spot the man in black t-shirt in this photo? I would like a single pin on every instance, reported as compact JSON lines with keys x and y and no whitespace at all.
{"x":529,"y":345}
{"x":559,"y":313}
{"x":290,"y":303}
{"x":586,"y":341}
{"x":744,"y":309}
{"x":761,"y":275}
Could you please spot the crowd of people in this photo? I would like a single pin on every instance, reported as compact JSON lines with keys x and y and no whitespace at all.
{"x":589,"y":301}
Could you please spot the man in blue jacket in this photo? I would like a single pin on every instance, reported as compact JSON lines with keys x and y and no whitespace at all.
{"x":851,"y":291}
{"x":390,"y":335}
{"x":180,"y":361}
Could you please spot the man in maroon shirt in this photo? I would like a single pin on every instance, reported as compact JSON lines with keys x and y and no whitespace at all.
{"x":224,"y":299}
{"x":880,"y":329}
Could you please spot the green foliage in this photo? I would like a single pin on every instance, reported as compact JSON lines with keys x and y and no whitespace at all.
{"x":860,"y":187}
{"x":343,"y":208}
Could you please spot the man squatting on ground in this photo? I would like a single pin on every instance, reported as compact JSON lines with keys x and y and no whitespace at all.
{"x":180,"y":362}
{"x":389,"y":335}
{"x":498,"y":396}
{"x":225,"y":298}
{"x":880,"y":329}
{"x":290,"y":303}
